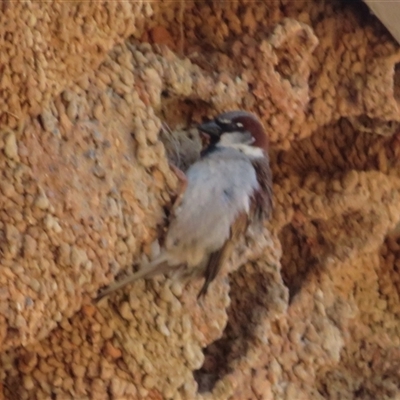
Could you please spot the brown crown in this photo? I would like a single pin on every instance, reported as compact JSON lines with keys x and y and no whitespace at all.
{"x":252,"y":124}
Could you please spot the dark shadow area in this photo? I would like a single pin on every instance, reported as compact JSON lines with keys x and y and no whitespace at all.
{"x":333,"y":150}
{"x":300,"y":261}
{"x":377,"y":126}
{"x":178,"y":132}
{"x":396,"y":82}
{"x":249,"y":305}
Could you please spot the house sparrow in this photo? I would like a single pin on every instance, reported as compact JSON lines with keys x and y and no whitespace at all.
{"x":228,"y":188}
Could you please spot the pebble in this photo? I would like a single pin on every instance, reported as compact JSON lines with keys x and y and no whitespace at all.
{"x":11,"y":148}
{"x":42,"y":202}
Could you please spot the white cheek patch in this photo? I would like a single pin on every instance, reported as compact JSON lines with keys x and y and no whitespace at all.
{"x":235,"y":138}
{"x":250,"y":151}
{"x":241,"y":141}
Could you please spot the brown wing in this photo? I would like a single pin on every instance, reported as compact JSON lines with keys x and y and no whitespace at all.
{"x":182,"y":185}
{"x":219,"y":257}
{"x":263,"y":197}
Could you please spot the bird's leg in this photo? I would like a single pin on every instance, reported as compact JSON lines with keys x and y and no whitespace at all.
{"x":182,"y":184}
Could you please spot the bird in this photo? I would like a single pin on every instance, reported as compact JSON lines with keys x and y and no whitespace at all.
{"x":223,"y":193}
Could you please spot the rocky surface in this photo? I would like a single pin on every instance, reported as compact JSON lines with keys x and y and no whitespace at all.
{"x":96,"y":99}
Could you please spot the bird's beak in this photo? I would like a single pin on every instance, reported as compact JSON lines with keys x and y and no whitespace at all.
{"x":211,"y":128}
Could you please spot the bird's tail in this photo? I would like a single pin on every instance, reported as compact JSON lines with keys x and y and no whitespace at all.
{"x":156,"y":267}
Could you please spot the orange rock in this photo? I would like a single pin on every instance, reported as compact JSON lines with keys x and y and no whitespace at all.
{"x":88,"y":310}
{"x":160,"y":35}
{"x":110,"y":350}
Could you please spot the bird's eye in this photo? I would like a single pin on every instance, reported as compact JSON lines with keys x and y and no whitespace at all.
{"x":239,"y":125}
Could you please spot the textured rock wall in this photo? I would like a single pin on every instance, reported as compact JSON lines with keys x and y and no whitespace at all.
{"x":95,"y":98}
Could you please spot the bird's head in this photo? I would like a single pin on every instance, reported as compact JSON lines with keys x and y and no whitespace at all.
{"x":236,"y":129}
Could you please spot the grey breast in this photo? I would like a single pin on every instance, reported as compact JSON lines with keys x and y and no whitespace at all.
{"x":219,"y":188}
